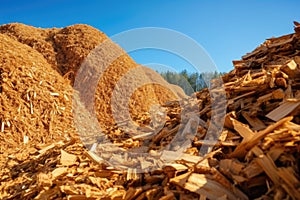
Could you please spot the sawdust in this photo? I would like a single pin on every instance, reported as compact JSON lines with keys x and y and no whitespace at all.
{"x":35,"y":99}
{"x":65,"y":50}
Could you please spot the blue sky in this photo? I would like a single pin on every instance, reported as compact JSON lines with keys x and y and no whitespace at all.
{"x":225,"y":29}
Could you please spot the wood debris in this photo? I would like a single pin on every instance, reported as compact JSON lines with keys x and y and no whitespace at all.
{"x":256,"y":156}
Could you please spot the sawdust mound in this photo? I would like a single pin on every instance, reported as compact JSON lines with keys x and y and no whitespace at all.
{"x":140,"y":99}
{"x":73,"y":44}
{"x":35,"y":99}
{"x":63,"y":48}
{"x":38,"y":39}
{"x":66,"y":49}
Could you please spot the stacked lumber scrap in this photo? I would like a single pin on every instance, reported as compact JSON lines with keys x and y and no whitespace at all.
{"x":257,"y":153}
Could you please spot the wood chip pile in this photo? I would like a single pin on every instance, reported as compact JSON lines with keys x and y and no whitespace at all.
{"x":35,"y":99}
{"x":66,"y":48}
{"x":256,"y":156}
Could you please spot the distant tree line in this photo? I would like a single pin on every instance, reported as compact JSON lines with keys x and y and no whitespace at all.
{"x":190,"y":82}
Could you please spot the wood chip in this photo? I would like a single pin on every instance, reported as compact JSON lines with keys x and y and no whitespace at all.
{"x":67,"y":159}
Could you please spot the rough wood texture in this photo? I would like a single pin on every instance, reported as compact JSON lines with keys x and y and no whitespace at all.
{"x":256,"y":155}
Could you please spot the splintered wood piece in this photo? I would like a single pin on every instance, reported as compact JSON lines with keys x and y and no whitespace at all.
{"x":117,"y":194}
{"x":190,"y":158}
{"x":288,"y":175}
{"x":169,"y":196}
{"x":69,"y":189}
{"x":243,"y":130}
{"x":169,"y":156}
{"x":230,"y":166}
{"x":281,"y":41}
{"x":67,"y":159}
{"x":44,"y":180}
{"x":96,"y":181}
{"x":165,"y":132}
{"x":283,"y":110}
{"x":252,"y":169}
{"x":143,"y":136}
{"x":267,"y":164}
{"x":25,"y":139}
{"x":297,"y":60}
{"x":278,"y":176}
{"x":202,"y":185}
{"x":238,"y":63}
{"x":145,"y":164}
{"x":94,"y":157}
{"x":58,"y":172}
{"x":133,"y":193}
{"x":275,"y":153}
{"x":2,"y":126}
{"x":276,"y":94}
{"x":48,"y":194}
{"x":214,"y":143}
{"x":289,"y":68}
{"x":264,"y":98}
{"x":173,"y":168}
{"x":47,"y":148}
{"x":173,"y":155}
{"x":258,"y":50}
{"x":255,"y":123}
{"x":230,"y":101}
{"x":242,"y":149}
{"x":228,"y":121}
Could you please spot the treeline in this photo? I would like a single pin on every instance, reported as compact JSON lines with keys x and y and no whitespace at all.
{"x":190,"y":82}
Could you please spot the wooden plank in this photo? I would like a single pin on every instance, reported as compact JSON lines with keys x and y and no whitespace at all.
{"x":283,"y":110}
